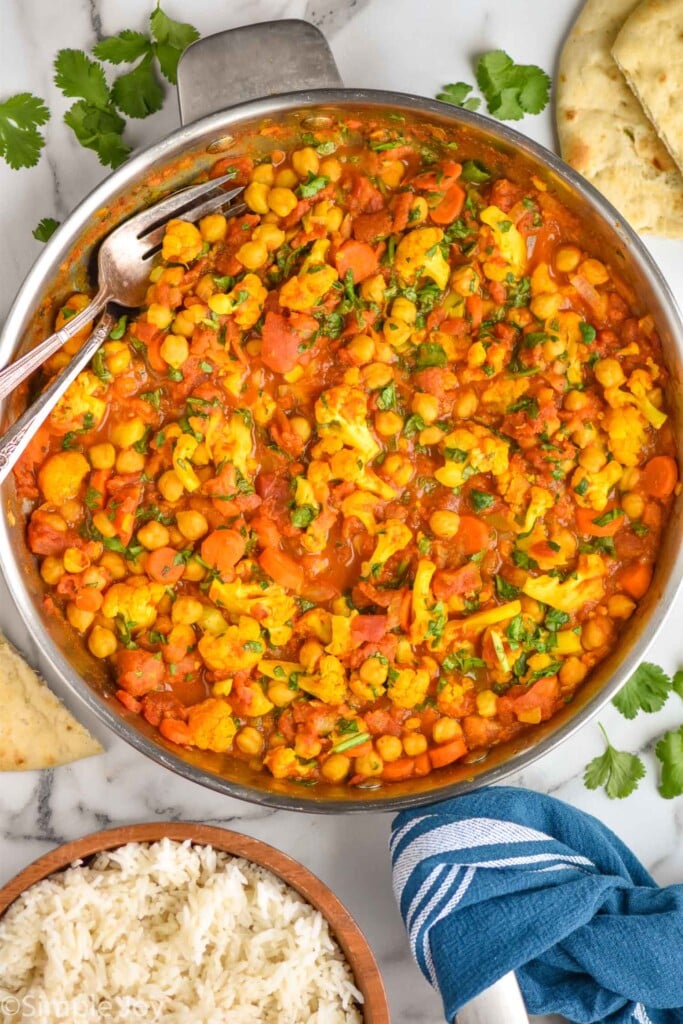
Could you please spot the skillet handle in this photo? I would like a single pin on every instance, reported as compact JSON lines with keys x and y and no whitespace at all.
{"x":501,"y":1002}
{"x":253,"y":62}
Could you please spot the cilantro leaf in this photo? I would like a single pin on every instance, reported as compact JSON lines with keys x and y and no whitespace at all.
{"x":511,"y":90}
{"x":139,"y":93}
{"x":646,"y":690}
{"x":123,"y":48}
{"x":457,"y":93}
{"x":172,"y":38}
{"x":20,"y":140}
{"x":677,"y":682}
{"x":99,"y":130}
{"x":81,"y":78}
{"x":669,"y":752}
{"x":618,"y":771}
{"x":45,"y":229}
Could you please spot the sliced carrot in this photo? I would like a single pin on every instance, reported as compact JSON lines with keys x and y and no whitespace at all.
{"x":358,"y":257}
{"x":223,"y":549}
{"x":660,"y":476}
{"x":279,"y":344}
{"x":88,"y":599}
{"x":396,"y":771}
{"x":585,"y":522}
{"x":447,"y":753}
{"x":139,"y":672}
{"x":450,"y":206}
{"x":283,"y":569}
{"x":98,"y":485}
{"x":473,"y":535}
{"x":474,"y":306}
{"x":635,"y":578}
{"x":544,"y":694}
{"x":161,"y":565}
{"x":423,"y":765}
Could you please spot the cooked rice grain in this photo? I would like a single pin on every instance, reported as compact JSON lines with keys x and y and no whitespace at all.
{"x":174,"y":932}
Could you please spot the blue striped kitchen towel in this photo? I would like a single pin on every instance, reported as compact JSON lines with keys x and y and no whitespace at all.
{"x":505,"y":879}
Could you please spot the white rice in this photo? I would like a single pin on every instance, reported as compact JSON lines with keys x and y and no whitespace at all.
{"x":170,"y":932}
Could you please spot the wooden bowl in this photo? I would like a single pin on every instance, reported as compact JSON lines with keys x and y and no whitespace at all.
{"x":345,"y":930}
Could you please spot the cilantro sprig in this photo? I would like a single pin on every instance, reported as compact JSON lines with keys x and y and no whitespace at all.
{"x":510,"y":90}
{"x":20,"y":141}
{"x":618,"y":771}
{"x":646,"y":690}
{"x":45,"y":229}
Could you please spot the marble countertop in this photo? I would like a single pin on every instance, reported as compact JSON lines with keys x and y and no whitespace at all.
{"x":389,"y":44}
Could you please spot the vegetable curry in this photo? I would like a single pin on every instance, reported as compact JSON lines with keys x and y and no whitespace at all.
{"x":376,"y":477}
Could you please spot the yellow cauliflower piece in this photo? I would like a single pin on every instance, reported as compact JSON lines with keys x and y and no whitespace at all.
{"x":638,"y":385}
{"x":408,"y":687}
{"x":314,"y":280}
{"x":244,"y":302}
{"x":281,"y":670}
{"x":238,"y":649}
{"x":343,"y":412}
{"x":272,"y":606}
{"x":471,"y":450}
{"x":258,"y":703}
{"x":211,"y":725}
{"x":540,"y":500}
{"x":456,"y":629}
{"x":362,"y":505}
{"x":231,"y":440}
{"x":61,"y":475}
{"x":594,"y":488}
{"x":565,"y":325}
{"x":283,"y":763}
{"x":586,"y":584}
{"x":507,"y":238}
{"x":347,"y":465}
{"x":182,"y":242}
{"x":418,"y":255}
{"x":136,"y":604}
{"x":392,"y":536}
{"x":422,"y":600}
{"x":80,"y":399}
{"x":502,"y":393}
{"x":329,"y":685}
{"x":626,"y":433}
{"x":341,"y":642}
{"x":183,"y":450}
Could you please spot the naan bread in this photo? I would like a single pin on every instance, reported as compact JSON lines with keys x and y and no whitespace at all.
{"x":603,"y":130}
{"x":36,"y":731}
{"x":649,"y":51}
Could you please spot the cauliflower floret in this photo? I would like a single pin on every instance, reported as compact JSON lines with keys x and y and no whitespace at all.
{"x":586,"y":584}
{"x":80,"y":400}
{"x":591,"y":490}
{"x":422,"y":601}
{"x":329,"y":685}
{"x":315,"y":279}
{"x":626,"y":433}
{"x":540,"y":500}
{"x":408,"y":687}
{"x":211,"y":725}
{"x":244,"y":302}
{"x":393,"y":536}
{"x":283,"y":763}
{"x":183,"y":450}
{"x":136,"y":604}
{"x":238,"y":649}
{"x":509,"y":241}
{"x":451,"y":696}
{"x":182,"y":242}
{"x":458,"y":629}
{"x":362,"y":505}
{"x":343,"y":412}
{"x":341,"y":642}
{"x":231,"y":440}
{"x":502,"y":393}
{"x":418,"y":255}
{"x":638,"y":385}
{"x":347,"y":465}
{"x":254,"y":699}
{"x":566,"y":325}
{"x":469,"y":451}
{"x":61,"y":475}
{"x":273,"y":607}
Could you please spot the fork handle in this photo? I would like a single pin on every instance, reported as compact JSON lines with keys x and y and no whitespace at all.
{"x":13,"y":375}
{"x":15,"y":440}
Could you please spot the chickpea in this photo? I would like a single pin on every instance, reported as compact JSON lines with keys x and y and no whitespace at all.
{"x":389,"y":748}
{"x":75,"y":560}
{"x":373,"y":288}
{"x":368,"y":764}
{"x":301,"y":427}
{"x":256,"y":197}
{"x":335,"y":768}
{"x":361,"y":349}
{"x":153,"y":535}
{"x":253,"y":255}
{"x":465,"y":281}
{"x":130,"y":461}
{"x":465,"y":404}
{"x":102,"y":642}
{"x":186,"y":611}
{"x":305,"y":161}
{"x":102,"y":523}
{"x":476,"y":355}
{"x":594,"y":271}
{"x":282,"y":201}
{"x":546,"y":305}
{"x":388,"y":424}
{"x":609,"y":373}
{"x":270,"y":235}
{"x":444,"y":524}
{"x":487,"y":703}
{"x":114,"y":564}
{"x":79,"y":619}
{"x":396,"y":333}
{"x":532,"y":608}
{"x":574,"y":401}
{"x":170,"y":487}
{"x":174,"y":350}
{"x":445,"y":730}
{"x":128,"y":433}
{"x":249,"y":740}
{"x":418,"y":211}
{"x":280,"y":694}
{"x":430,"y":435}
{"x":414,"y":743}
{"x":213,"y":227}
{"x":118,"y":357}
{"x":633,"y":505}
{"x":52,"y":569}
{"x":192,"y":525}
{"x":331,"y":168}
{"x":620,"y":606}
{"x":377,"y":375}
{"x":629,"y":479}
{"x":573,"y":672}
{"x":592,"y":458}
{"x":333,"y":220}
{"x":310,"y":654}
{"x":596,"y":633}
{"x":286,"y":178}
{"x":374,"y":671}
{"x":264,"y":174}
{"x":567,"y":258}
{"x":102,"y":456}
{"x":404,"y":309}
{"x":194,"y":572}
{"x":159,"y":315}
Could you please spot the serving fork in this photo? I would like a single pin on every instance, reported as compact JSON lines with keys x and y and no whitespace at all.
{"x":123,"y":267}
